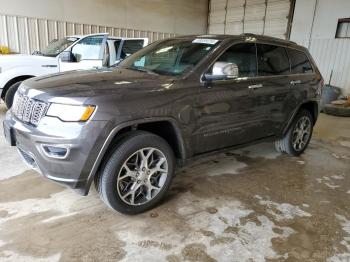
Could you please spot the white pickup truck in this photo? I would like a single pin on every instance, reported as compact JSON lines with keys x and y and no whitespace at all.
{"x":69,"y":53}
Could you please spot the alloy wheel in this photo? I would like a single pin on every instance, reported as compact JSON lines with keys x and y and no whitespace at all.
{"x":301,"y":133}
{"x":142,"y":176}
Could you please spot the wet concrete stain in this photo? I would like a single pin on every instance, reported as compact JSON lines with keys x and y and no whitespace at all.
{"x":196,"y":252}
{"x":274,"y":208}
{"x":27,"y":185}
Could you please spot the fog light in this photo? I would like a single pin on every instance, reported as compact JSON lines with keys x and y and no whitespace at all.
{"x":56,"y":151}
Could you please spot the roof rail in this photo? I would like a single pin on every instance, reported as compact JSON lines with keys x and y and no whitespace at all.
{"x":267,"y":37}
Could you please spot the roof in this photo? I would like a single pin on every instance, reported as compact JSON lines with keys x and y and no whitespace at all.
{"x":109,"y":36}
{"x":241,"y":36}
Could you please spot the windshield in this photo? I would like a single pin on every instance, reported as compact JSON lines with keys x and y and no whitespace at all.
{"x":170,"y":57}
{"x":58,"y":46}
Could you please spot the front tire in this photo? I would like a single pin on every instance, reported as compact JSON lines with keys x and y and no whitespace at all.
{"x":298,"y":136}
{"x":137,"y":174}
{"x":10,"y":94}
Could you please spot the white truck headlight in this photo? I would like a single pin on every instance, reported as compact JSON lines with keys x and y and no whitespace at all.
{"x":71,"y":113}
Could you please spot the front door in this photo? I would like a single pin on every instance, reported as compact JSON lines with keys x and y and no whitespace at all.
{"x":233,"y":111}
{"x":88,"y":53}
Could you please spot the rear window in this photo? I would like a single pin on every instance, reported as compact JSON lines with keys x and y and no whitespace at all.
{"x":300,"y":63}
{"x":272,"y":60}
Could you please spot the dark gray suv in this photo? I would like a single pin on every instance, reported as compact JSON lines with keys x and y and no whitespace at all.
{"x":128,"y":127}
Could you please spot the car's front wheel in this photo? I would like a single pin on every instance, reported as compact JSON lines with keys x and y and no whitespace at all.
{"x":137,"y":174}
{"x":298,"y":136}
{"x":10,"y":94}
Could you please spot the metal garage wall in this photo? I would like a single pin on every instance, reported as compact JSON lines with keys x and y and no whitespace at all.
{"x":267,"y":17}
{"x":27,"y":34}
{"x":312,"y":30}
{"x":332,"y":56}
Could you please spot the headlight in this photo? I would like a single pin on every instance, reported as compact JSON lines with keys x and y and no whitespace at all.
{"x":70,"y":113}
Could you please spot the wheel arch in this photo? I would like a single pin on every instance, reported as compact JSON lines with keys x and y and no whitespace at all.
{"x":12,"y":82}
{"x":167,"y":128}
{"x":311,"y":106}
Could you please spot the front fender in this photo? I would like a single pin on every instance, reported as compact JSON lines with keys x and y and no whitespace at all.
{"x":115,"y":131}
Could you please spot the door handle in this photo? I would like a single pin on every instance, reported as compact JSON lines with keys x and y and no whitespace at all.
{"x":295,"y":82}
{"x":255,"y":86}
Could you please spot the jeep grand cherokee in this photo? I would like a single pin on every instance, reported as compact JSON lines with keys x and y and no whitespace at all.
{"x":126,"y":128}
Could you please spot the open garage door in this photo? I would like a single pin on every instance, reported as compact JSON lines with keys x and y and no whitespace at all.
{"x":265,"y":17}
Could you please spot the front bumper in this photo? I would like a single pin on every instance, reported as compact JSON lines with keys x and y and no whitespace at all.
{"x":83,"y":140}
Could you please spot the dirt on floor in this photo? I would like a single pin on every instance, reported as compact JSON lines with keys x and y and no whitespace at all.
{"x":251,"y":204}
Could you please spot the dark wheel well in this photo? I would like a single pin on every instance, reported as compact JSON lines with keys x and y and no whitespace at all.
{"x":12,"y":82}
{"x":312,"y":107}
{"x":164,"y":129}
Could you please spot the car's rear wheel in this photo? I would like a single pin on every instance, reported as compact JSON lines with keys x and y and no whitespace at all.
{"x":298,"y":136}
{"x":137,"y":174}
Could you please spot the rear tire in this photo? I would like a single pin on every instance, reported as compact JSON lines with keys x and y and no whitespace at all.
{"x":137,"y":174}
{"x":10,"y":94}
{"x":299,"y":134}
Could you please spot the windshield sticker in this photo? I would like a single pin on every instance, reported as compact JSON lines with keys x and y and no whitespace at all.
{"x":205,"y":41}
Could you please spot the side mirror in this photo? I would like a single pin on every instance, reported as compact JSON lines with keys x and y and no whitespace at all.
{"x":222,"y":71}
{"x":67,"y":56}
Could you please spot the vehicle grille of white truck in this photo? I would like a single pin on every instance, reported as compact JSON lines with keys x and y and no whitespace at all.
{"x":28,"y":110}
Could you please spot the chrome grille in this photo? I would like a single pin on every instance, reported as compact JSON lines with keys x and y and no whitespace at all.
{"x":27,"y":109}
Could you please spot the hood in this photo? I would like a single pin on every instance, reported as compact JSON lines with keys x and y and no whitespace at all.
{"x":92,"y":83}
{"x":9,"y":61}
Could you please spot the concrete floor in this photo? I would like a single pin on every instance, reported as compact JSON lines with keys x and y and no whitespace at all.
{"x":247,"y":205}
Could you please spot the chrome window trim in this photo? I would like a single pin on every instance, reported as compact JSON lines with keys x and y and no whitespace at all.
{"x":257,"y":69}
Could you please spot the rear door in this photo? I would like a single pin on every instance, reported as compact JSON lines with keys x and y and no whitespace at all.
{"x":303,"y":77}
{"x":231,"y":112}
{"x":274,"y":75}
{"x":88,"y":53}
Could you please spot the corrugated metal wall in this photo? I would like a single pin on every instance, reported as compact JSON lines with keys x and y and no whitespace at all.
{"x":265,"y":17}
{"x":332,"y":56}
{"x":315,"y":26}
{"x":26,"y":34}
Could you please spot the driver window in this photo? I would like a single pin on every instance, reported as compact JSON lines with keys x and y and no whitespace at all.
{"x":244,"y":56}
{"x":88,"y":48}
